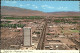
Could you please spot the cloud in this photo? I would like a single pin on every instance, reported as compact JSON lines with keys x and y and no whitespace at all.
{"x":35,"y":6}
{"x":50,"y":7}
{"x":44,"y":5}
{"x":21,"y":5}
{"x":47,"y":6}
{"x":28,"y":4}
{"x":62,"y":7}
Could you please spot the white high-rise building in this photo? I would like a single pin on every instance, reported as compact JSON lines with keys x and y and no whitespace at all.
{"x":27,"y":36}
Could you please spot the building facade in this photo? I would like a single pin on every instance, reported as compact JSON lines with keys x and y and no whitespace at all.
{"x":27,"y":36}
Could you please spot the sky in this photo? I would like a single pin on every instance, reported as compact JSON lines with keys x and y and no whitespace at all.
{"x":44,"y":6}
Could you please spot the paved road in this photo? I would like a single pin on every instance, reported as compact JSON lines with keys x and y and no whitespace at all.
{"x":42,"y":38}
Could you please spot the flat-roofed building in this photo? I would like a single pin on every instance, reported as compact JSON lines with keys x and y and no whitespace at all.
{"x":27,"y":36}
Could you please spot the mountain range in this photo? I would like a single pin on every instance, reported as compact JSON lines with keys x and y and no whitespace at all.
{"x":16,"y":11}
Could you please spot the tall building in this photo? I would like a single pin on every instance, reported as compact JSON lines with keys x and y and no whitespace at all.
{"x":27,"y":36}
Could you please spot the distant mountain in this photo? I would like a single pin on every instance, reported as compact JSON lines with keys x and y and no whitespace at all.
{"x":65,"y":13}
{"x":6,"y":10}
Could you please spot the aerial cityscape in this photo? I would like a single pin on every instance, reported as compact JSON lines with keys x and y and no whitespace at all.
{"x":26,"y":29}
